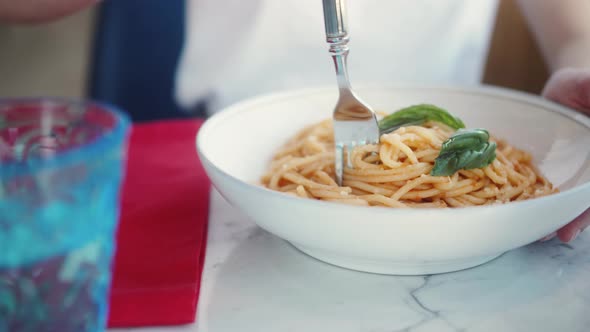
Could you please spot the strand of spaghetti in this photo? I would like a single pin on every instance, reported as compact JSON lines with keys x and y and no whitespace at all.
{"x":504,"y":160}
{"x":513,"y":176}
{"x":409,"y":174}
{"x":312,"y":167}
{"x":359,"y":192}
{"x":289,"y":150}
{"x":324,"y":178}
{"x":491,"y":173}
{"x":395,"y":140}
{"x":268,"y":178}
{"x":429,"y":136}
{"x":312,"y":146}
{"x":474,"y":186}
{"x":292,"y":164}
{"x":508,"y":192}
{"x":529,"y":174}
{"x":390,"y":150}
{"x":358,"y":156}
{"x":488,"y":192}
{"x":427,"y":155}
{"x":325,"y":193}
{"x":453,"y":202}
{"x":301,"y":192}
{"x":425,"y":167}
{"x":506,"y":149}
{"x":540,"y":177}
{"x":288,"y":187}
{"x":472,"y":173}
{"x":350,"y":201}
{"x":368,"y":187}
{"x":474,"y":199}
{"x":416,"y":195}
{"x":299,"y":179}
{"x":414,"y":183}
{"x":526,"y":194}
{"x":441,"y":130}
{"x":424,"y":186}
{"x":451,"y":183}
{"x":373,"y":159}
{"x":276,"y":163}
{"x":463,"y":201}
{"x":427,"y":205}
{"x":322,"y":130}
{"x":498,"y":168}
{"x":389,"y":156}
{"x":392,"y":185}
{"x":380,"y":199}
{"x":411,"y":139}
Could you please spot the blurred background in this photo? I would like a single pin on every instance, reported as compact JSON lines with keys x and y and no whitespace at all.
{"x":121,"y":55}
{"x":49,"y":59}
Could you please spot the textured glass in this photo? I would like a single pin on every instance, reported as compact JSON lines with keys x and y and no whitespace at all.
{"x":61,"y":165}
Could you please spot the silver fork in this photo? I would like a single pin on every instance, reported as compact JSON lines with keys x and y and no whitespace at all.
{"x":354,"y":122}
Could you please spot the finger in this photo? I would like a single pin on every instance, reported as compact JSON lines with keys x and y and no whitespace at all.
{"x":570,"y":231}
{"x":548,"y":237}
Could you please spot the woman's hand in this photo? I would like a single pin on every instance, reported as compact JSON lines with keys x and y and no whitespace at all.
{"x":571,"y":87}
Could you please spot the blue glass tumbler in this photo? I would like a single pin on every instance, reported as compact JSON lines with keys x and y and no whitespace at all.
{"x":61,"y":166}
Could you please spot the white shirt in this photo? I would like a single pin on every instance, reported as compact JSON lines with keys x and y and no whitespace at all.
{"x":236,"y":49}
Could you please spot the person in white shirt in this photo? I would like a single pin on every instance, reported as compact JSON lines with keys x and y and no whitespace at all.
{"x":236,"y":49}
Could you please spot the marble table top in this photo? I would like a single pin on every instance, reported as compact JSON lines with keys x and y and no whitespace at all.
{"x":255,"y":282}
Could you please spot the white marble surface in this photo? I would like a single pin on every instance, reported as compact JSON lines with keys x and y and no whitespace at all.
{"x":254,"y":281}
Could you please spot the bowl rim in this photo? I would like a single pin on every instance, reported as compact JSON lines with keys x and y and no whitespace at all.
{"x":109,"y":140}
{"x":493,"y":91}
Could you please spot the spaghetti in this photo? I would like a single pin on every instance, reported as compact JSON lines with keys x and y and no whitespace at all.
{"x":396,"y":172}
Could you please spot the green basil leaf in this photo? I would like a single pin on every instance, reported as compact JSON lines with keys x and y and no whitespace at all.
{"x":482,"y":157}
{"x":466,"y":149}
{"x":417,"y":115}
{"x":445,"y":165}
{"x":465,"y":139}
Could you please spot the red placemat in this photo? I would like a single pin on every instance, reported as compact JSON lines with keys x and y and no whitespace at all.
{"x":163,"y":228}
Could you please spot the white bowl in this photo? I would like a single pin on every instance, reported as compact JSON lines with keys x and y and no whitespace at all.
{"x":237,"y":144}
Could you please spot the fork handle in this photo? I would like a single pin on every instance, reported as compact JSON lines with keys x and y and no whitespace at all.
{"x":335,"y":21}
{"x":336,"y":26}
